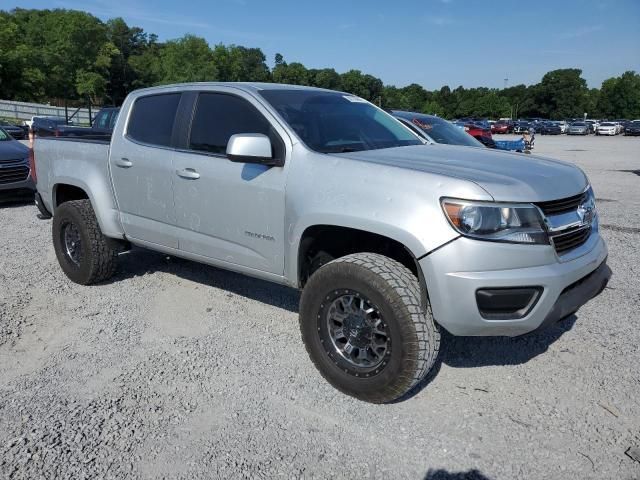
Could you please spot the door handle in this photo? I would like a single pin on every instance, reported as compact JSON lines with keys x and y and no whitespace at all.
{"x":188,"y":173}
{"x":123,"y":162}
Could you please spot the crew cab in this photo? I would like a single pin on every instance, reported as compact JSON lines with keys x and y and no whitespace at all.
{"x":391,"y":239}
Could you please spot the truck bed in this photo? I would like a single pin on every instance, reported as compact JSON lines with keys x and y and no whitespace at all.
{"x":59,"y":160}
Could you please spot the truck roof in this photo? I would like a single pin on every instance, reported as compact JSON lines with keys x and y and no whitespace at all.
{"x":247,"y":86}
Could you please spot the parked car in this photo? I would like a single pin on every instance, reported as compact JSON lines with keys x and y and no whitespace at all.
{"x":548,"y":128}
{"x":435,"y":129}
{"x":47,"y":126}
{"x":578,"y":128}
{"x":632,"y":128}
{"x":389,"y":239}
{"x":15,"y":165}
{"x":592,"y":126}
{"x":608,"y":128}
{"x":479,"y":132}
{"x":501,"y":127}
{"x":521,"y":126}
{"x":563,"y":125}
{"x":57,"y":126}
{"x":102,"y":125}
{"x":15,"y":131}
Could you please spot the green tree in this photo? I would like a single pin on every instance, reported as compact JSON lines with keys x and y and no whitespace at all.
{"x":620,"y":96}
{"x":187,"y":59}
{"x":294,"y":74}
{"x":562,"y":94}
{"x":240,"y":64}
{"x":362,"y":85}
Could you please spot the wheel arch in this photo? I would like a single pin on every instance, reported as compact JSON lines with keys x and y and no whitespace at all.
{"x":341,"y":240}
{"x":66,"y":189}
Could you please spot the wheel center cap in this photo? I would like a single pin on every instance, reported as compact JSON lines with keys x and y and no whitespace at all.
{"x":357,"y":330}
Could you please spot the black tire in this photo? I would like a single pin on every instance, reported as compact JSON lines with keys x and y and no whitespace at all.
{"x":96,"y":258}
{"x":413,"y":339}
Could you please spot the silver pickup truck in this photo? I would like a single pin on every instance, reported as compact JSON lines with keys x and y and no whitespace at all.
{"x":389,"y":238}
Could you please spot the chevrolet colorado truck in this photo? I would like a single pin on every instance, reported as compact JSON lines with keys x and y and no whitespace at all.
{"x":390,"y":239}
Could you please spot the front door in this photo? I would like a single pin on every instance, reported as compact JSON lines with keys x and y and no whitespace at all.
{"x":231,"y":212}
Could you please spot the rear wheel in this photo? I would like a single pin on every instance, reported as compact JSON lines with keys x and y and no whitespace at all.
{"x":365,"y":329}
{"x":85,"y":255}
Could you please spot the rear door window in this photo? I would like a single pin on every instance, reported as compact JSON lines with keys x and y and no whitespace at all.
{"x":152,"y":119}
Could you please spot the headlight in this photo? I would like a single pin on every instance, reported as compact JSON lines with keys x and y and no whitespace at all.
{"x":496,"y":222}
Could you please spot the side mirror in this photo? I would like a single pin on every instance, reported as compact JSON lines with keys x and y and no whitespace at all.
{"x":250,"y":148}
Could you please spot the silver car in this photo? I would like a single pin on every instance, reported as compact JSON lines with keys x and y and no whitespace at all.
{"x":578,"y":128}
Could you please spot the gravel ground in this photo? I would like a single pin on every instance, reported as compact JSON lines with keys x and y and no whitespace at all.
{"x":178,"y":370}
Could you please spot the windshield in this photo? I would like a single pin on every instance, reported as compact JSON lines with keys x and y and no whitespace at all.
{"x":579,"y":124}
{"x":332,"y":122}
{"x":4,"y":136}
{"x":439,"y":130}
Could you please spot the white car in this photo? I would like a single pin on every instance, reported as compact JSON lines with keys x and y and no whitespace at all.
{"x":607,"y":128}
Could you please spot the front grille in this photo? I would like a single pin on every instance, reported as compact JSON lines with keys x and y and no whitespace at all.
{"x":555,"y":207}
{"x":13,"y":174}
{"x":12,"y":160}
{"x":570,"y":239}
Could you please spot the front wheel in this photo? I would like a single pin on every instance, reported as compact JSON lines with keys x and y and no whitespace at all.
{"x":85,"y":255}
{"x":365,"y":328}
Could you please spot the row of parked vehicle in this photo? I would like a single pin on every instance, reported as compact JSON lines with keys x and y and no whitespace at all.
{"x":50,"y":126}
{"x":559,"y":127}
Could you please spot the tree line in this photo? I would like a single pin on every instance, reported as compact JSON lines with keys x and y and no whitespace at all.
{"x":50,"y":55}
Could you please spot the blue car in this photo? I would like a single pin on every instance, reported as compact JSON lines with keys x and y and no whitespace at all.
{"x":15,"y":169}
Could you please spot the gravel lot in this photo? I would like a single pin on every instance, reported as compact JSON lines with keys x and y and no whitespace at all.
{"x":178,"y":370}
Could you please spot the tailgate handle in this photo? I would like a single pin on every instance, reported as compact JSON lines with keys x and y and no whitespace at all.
{"x":188,"y":173}
{"x":123,"y":162}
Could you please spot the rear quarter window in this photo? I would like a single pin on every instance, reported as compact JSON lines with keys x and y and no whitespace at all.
{"x":152,"y":119}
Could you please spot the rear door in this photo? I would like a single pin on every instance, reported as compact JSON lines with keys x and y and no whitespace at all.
{"x":141,"y":167}
{"x":231,"y":212}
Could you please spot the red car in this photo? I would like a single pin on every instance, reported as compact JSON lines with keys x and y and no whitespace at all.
{"x":483,"y":135}
{"x":500,"y":127}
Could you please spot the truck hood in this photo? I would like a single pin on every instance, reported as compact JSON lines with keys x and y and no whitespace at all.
{"x":13,"y":150}
{"x":507,"y":177}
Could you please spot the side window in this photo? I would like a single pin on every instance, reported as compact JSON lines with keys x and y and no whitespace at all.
{"x":152,"y":119}
{"x":101,"y":119}
{"x":114,"y":117}
{"x":219,"y":116}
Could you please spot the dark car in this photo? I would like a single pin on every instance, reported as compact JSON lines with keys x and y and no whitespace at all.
{"x":435,"y":129}
{"x":632,"y":129}
{"x":15,"y":131}
{"x":15,"y":165}
{"x":521,"y":126}
{"x":47,"y":126}
{"x":548,"y":128}
{"x":101,"y":128}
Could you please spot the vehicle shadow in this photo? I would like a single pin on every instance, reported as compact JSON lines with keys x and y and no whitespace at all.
{"x":141,"y":262}
{"x":465,"y":352}
{"x":471,"y":352}
{"x":442,"y":474}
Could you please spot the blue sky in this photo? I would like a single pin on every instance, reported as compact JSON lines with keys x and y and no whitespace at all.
{"x":429,"y":42}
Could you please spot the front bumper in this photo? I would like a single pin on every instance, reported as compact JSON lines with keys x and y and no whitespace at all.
{"x":455,"y":272}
